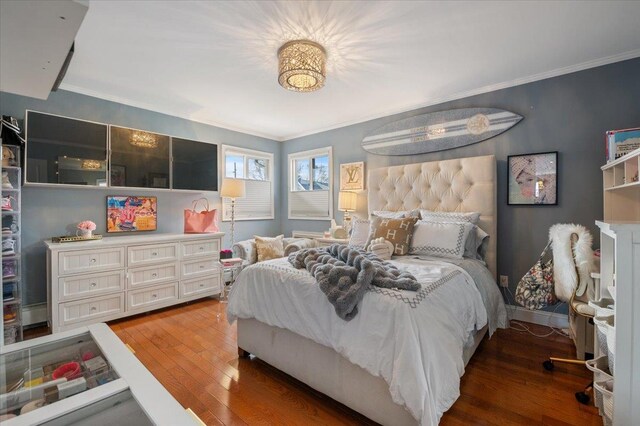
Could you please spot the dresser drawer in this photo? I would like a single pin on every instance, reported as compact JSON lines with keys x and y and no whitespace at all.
{"x":146,"y":255}
{"x":209,"y":248}
{"x":81,"y":286}
{"x":74,"y":262}
{"x":194,"y":268}
{"x":145,"y":298}
{"x":91,"y":310}
{"x":202,"y":285}
{"x":157,"y":274}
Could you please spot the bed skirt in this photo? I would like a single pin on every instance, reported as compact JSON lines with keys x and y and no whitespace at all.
{"x":328,"y":372}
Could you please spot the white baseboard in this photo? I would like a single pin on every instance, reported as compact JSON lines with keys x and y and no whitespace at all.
{"x":34,"y":314}
{"x":552,"y":319}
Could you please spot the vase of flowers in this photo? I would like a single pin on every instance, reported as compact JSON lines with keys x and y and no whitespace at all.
{"x":85,"y":229}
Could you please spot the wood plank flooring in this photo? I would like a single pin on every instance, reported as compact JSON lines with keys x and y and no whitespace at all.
{"x":191,"y":350}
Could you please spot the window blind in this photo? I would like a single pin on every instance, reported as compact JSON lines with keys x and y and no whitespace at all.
{"x":257,"y":204}
{"x":309,"y":204}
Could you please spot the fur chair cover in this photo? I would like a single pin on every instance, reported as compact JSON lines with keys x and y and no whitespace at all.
{"x":566,"y":261}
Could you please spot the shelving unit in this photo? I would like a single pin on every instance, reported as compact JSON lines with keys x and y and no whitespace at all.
{"x":12,"y":265}
{"x":620,"y":278}
{"x":620,"y":274}
{"x":621,"y":185}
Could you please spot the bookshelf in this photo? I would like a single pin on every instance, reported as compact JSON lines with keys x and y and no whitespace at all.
{"x":622,"y":188}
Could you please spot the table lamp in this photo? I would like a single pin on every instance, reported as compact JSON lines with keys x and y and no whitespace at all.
{"x":233,"y":188}
{"x":347,"y":202}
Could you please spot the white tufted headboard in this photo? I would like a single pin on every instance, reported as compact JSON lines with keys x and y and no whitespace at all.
{"x":458,"y":185}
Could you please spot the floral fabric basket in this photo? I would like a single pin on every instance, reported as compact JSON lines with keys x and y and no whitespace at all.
{"x":536,"y":290}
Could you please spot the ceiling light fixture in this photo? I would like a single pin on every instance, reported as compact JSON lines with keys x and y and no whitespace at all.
{"x":143,"y":139}
{"x":301,"y":66}
{"x":91,"y":165}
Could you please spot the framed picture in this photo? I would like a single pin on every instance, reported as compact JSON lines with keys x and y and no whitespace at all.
{"x":118,"y":175}
{"x":352,"y":176}
{"x":533,"y":179}
{"x":158,"y":180}
{"x":131,"y":213}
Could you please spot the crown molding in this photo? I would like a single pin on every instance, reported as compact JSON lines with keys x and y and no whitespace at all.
{"x":435,"y":101}
{"x":149,"y":107}
{"x":486,"y":89}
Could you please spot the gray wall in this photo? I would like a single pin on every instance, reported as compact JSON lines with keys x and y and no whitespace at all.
{"x":49,"y":212}
{"x":568,"y":114}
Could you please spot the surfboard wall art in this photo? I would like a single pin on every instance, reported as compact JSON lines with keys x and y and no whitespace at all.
{"x":440,"y":130}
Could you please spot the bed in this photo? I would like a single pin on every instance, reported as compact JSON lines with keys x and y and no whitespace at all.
{"x":384,"y":363}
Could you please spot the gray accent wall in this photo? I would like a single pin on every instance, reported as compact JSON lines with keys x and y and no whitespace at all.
{"x":568,"y":114}
{"x":50,"y":212}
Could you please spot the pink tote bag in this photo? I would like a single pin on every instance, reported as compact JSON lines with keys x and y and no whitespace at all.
{"x":201,"y":222}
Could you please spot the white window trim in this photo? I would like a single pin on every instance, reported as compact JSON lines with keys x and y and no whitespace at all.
{"x":291,"y":177}
{"x":253,"y":154}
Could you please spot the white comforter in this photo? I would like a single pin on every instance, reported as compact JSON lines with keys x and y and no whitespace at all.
{"x":414,"y":340}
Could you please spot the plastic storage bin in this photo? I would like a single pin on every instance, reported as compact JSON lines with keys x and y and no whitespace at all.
{"x":606,"y":336}
{"x":604,"y":391}
{"x":601,"y":373}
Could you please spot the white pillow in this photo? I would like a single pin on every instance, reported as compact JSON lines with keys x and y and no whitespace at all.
{"x":359,"y":233}
{"x":471,"y":217}
{"x":386,"y":214}
{"x":443,"y":239}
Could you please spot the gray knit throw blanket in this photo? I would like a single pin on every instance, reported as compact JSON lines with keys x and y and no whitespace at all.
{"x":344,"y":274}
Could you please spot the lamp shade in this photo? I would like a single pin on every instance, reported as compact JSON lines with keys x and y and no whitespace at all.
{"x":347,"y":201}
{"x":232,"y":188}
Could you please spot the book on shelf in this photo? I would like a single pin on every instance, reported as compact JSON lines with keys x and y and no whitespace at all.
{"x":621,"y":142}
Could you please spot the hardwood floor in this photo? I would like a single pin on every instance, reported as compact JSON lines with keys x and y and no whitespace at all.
{"x":192,"y":351}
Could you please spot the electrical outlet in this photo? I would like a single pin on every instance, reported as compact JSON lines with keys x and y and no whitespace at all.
{"x":504,"y":281}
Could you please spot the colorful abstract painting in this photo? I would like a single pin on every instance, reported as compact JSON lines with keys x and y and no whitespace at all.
{"x":131,"y":213}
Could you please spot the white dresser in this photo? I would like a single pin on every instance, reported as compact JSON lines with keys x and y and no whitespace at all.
{"x":97,"y":281}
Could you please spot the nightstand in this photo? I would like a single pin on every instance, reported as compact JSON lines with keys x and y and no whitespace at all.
{"x":229,"y":275}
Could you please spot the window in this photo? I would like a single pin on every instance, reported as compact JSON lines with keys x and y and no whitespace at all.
{"x":310,"y":189}
{"x":256,"y":168}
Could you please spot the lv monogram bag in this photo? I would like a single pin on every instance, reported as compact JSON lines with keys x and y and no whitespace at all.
{"x":536,"y":290}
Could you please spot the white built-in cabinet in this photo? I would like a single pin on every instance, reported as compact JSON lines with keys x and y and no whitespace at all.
{"x":620,"y":278}
{"x":97,"y":281}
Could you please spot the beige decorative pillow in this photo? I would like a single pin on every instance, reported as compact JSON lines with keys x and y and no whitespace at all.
{"x":396,"y":231}
{"x":269,"y":248}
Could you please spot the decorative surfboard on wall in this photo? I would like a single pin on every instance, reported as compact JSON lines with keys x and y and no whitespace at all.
{"x":440,"y":130}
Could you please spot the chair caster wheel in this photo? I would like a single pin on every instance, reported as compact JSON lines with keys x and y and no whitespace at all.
{"x":582,"y":398}
{"x":548,"y":365}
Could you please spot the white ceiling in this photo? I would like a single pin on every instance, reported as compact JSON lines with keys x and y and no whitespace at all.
{"x":215,"y":62}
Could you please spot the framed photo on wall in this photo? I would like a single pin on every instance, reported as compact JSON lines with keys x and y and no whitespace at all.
{"x":352,"y":176}
{"x":533,"y":179}
{"x":118,"y":175}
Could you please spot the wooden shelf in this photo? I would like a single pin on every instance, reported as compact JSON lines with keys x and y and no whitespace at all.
{"x":624,"y":186}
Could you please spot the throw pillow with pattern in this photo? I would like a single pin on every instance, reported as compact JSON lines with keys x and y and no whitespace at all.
{"x":269,"y":248}
{"x":397,"y":231}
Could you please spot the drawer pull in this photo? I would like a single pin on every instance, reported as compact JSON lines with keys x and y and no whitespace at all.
{"x":154,"y":275}
{"x":93,"y":308}
{"x":201,"y":266}
{"x":154,"y":253}
{"x":201,"y":248}
{"x":201,"y":285}
{"x":154,"y":295}
{"x":93,"y":260}
{"x":93,"y":284}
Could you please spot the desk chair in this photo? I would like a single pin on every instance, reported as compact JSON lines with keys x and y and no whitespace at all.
{"x":572,"y":270}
